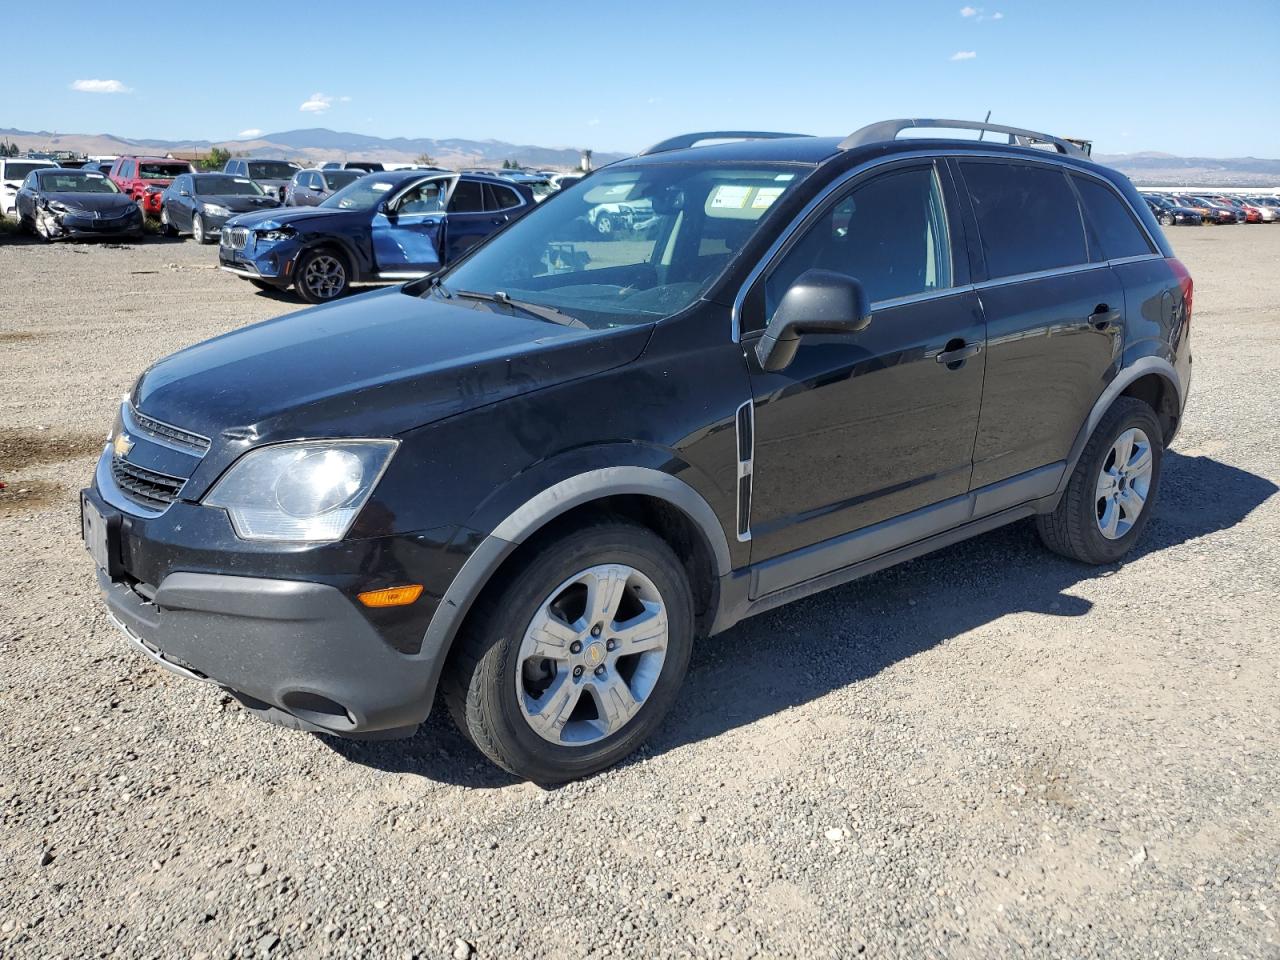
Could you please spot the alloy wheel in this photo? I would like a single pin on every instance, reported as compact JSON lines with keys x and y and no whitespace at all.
{"x":591,"y":655}
{"x":324,"y":276}
{"x":197,"y":228}
{"x":1123,"y":484}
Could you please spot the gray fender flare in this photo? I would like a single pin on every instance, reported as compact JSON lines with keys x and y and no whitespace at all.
{"x":545,"y":507}
{"x":1130,"y":374}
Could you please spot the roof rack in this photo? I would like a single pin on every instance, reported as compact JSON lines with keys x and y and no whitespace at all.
{"x":889,"y":130}
{"x":693,"y":139}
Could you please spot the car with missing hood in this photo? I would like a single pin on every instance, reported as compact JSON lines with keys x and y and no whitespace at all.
{"x":200,"y":203}
{"x":534,"y":480}
{"x":63,"y":204}
{"x":273,"y":176}
{"x":389,"y":226}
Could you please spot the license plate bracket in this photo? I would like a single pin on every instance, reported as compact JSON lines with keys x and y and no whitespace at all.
{"x":101,"y":537}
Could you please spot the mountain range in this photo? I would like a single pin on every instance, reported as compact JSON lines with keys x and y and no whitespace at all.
{"x":318,"y":144}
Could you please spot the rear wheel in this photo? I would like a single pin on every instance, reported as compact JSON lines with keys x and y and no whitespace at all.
{"x":1108,"y":501}
{"x":570,"y":665}
{"x":321,"y":276}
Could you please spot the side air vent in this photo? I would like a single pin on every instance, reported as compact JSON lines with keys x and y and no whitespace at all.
{"x":745,"y":424}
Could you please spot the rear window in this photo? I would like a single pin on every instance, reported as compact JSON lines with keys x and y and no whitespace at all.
{"x":19,"y":169}
{"x":1114,"y":233}
{"x":162,"y":171}
{"x":1028,"y":217}
{"x":272,"y":170}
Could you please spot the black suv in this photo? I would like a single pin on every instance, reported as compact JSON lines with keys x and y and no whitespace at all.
{"x":535,"y":477}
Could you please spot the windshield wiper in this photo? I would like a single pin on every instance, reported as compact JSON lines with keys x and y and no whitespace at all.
{"x":539,"y":310}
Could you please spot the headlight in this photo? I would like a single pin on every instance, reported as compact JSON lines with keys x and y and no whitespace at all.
{"x":214,"y":210}
{"x":309,"y":491}
{"x":58,"y":207}
{"x":272,"y":231}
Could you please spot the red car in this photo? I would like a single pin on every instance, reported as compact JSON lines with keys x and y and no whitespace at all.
{"x":1251,"y":213}
{"x":144,"y":179}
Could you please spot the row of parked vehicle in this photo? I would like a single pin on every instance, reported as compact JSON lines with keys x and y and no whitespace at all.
{"x":1184,"y":210}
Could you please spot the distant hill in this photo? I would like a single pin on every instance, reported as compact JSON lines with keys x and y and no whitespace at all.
{"x":317,"y":145}
{"x":1154,"y":168}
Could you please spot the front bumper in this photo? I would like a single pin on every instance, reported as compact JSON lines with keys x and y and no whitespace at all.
{"x":272,"y":263}
{"x":277,"y":625}
{"x":75,"y":226}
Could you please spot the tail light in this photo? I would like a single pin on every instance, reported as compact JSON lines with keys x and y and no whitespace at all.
{"x":1188,"y":286}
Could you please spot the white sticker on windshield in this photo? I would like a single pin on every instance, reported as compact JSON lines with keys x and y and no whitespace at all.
{"x":782,"y":177}
{"x":382,"y":186}
{"x":765,"y":196}
{"x":243,"y":180}
{"x":729,"y":197}
{"x":94,"y":176}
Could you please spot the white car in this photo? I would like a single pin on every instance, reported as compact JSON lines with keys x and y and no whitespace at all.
{"x":13,"y":170}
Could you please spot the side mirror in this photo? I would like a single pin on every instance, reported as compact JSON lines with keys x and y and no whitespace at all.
{"x":384,"y":208}
{"x":819,"y":301}
{"x":184,"y":193}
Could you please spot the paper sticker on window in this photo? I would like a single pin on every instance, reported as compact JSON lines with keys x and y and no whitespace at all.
{"x":783,"y":177}
{"x":730,"y":198}
{"x":94,"y":176}
{"x":765,"y":196}
{"x":243,"y":180}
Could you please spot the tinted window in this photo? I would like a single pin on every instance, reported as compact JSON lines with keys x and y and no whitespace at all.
{"x":221,"y":185}
{"x":1113,"y":231}
{"x":337,"y":179}
{"x":17,"y":169}
{"x":126,"y":169}
{"x":468,"y":197}
{"x":272,"y":170}
{"x":501,"y":197}
{"x":1027,"y":215}
{"x":890,"y":233}
{"x":163,"y":171}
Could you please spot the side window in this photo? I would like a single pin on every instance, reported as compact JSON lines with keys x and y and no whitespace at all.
{"x":314,"y":181}
{"x":889,"y":232}
{"x":500,"y":198}
{"x":468,"y":197}
{"x":426,"y":197}
{"x":1027,"y":215}
{"x":1113,"y":231}
{"x":126,"y":170}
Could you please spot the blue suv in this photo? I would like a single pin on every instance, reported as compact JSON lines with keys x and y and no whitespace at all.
{"x":384,"y":227}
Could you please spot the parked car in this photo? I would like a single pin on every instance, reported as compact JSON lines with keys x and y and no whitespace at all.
{"x":368,"y":166}
{"x":1268,"y":208}
{"x":384,"y":227}
{"x":102,"y":166}
{"x":14,"y":170}
{"x":1212,"y":212}
{"x":1250,"y":212}
{"x":273,"y":176}
{"x":610,"y":218}
{"x":532,"y":479}
{"x":1169,"y":213}
{"x":200,"y":203}
{"x":309,"y":187}
{"x":562,"y":180}
{"x":144,"y":179}
{"x":63,"y":204}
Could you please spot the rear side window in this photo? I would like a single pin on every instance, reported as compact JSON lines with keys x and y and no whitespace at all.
{"x":468,"y":197}
{"x":501,"y":198}
{"x":1027,"y":216}
{"x":126,"y":169}
{"x":890,"y":233}
{"x":1113,"y":233}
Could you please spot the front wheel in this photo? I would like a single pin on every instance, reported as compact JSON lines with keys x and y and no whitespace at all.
{"x":199,"y":232}
{"x":1168,"y":220}
{"x":166,"y":225}
{"x":321,"y":276}
{"x":571,"y":663}
{"x":1108,"y":501}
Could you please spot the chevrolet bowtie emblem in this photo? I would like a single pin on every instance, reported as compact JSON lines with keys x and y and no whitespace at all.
{"x":121,"y":445}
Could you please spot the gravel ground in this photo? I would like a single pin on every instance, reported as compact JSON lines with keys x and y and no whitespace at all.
{"x":988,"y":752}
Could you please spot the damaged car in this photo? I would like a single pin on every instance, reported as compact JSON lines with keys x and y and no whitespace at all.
{"x":59,"y":204}
{"x":200,"y":203}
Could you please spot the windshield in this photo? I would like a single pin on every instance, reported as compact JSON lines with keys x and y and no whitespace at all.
{"x":337,"y":179}
{"x":75,"y":181}
{"x":17,"y":170}
{"x":162,"y":171}
{"x":630,"y":245}
{"x":216,"y":185}
{"x":272,"y":170}
{"x":361,"y":195}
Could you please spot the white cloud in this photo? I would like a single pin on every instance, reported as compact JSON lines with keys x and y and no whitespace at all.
{"x":317,"y":103}
{"x":978,"y":14}
{"x":249,"y":134}
{"x":997,"y":16}
{"x":964,"y":55}
{"x":100,"y":86}
{"x":968,"y":11}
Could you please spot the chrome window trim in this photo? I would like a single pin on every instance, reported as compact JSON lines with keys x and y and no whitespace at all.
{"x":841,"y":181}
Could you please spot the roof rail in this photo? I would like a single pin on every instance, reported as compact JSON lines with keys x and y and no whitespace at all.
{"x":889,"y":130}
{"x":693,"y":139}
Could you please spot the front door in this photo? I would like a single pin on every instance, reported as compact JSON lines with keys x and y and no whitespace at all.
{"x":408,"y":229}
{"x":863,"y":428}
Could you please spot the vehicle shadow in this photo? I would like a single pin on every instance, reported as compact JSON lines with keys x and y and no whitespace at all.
{"x":809,"y":648}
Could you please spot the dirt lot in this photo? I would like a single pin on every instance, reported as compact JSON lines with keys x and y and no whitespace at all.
{"x":987,"y":752}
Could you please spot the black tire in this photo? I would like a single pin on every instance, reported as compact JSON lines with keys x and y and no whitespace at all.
{"x":479,"y":680}
{"x":1073,"y":528}
{"x":167,"y":229}
{"x":1168,"y":220}
{"x":308,"y":291}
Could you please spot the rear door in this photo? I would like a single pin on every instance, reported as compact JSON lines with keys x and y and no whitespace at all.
{"x":1055,"y":318}
{"x":863,"y":428}
{"x":469,"y":222}
{"x":407,"y":231}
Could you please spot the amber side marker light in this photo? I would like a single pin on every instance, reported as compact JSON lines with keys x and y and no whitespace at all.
{"x":392,"y":596}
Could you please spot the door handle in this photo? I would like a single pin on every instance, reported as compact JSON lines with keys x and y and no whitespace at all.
{"x":498,"y":221}
{"x":957,"y":351}
{"x":1103,"y":317}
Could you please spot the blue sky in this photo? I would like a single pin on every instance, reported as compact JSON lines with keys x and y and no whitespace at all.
{"x":1172,"y":76}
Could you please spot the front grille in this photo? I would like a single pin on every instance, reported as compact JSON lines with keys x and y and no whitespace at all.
{"x":237,"y":238}
{"x":183,"y":438}
{"x":149,"y":489}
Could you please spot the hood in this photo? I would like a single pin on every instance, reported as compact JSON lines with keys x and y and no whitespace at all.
{"x":293,"y":215}
{"x":239,"y":203}
{"x":375,"y":365}
{"x":101,"y":202}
